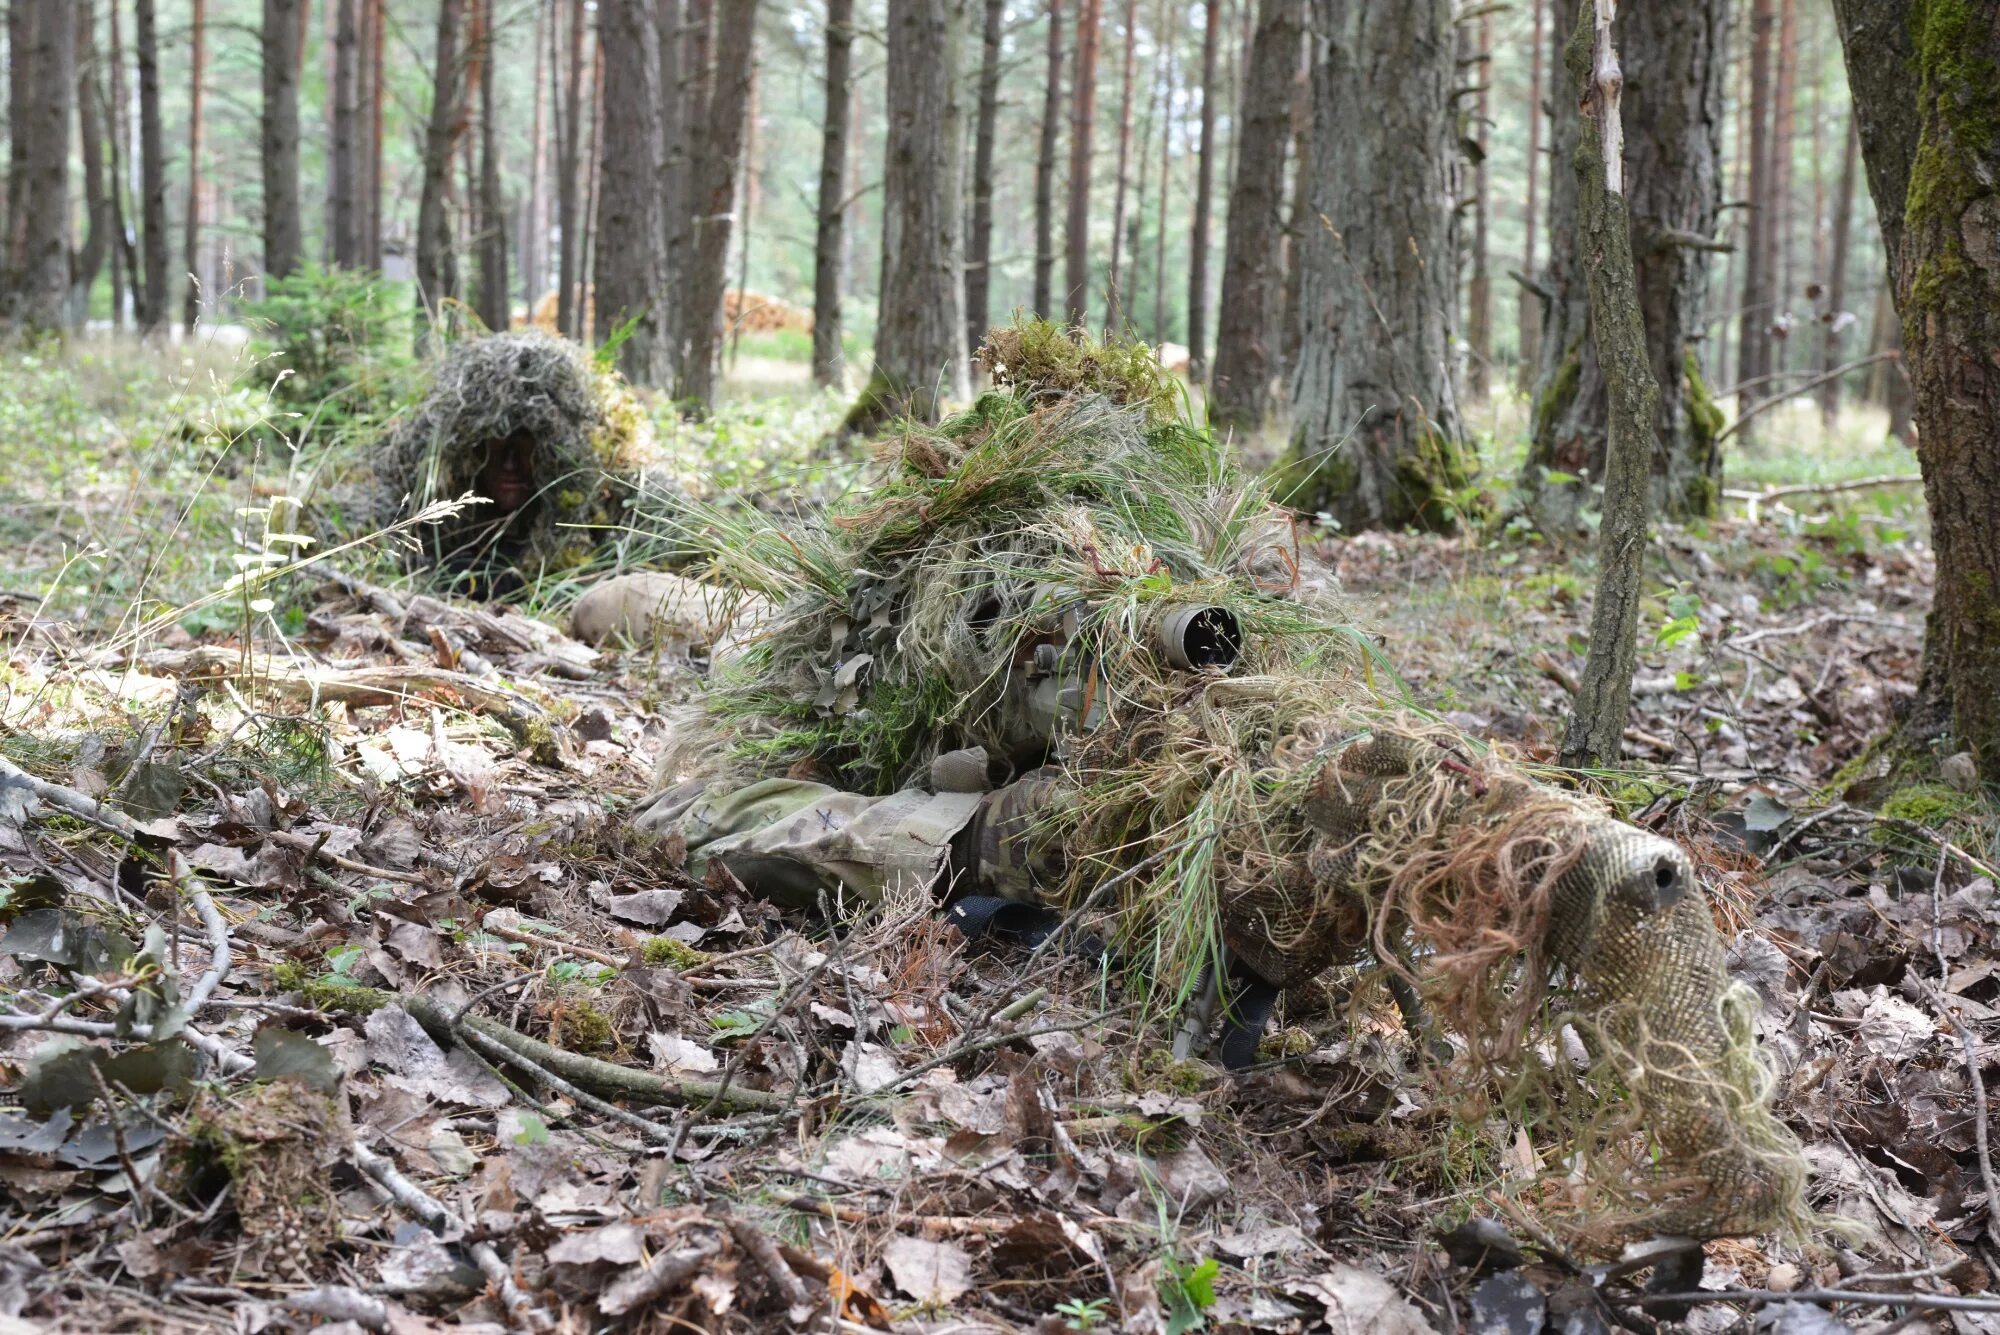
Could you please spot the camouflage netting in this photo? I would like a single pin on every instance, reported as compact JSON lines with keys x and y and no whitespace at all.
{"x":1005,"y":587}
{"x":583,"y":431}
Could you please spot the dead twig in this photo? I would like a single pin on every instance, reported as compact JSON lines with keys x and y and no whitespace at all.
{"x":1937,"y":1302}
{"x":606,"y":1078}
{"x":429,"y":1211}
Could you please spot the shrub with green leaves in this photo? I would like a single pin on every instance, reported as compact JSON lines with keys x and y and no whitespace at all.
{"x":337,"y":346}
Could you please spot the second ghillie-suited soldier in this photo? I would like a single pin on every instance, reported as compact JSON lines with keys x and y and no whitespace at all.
{"x":1066,"y":661}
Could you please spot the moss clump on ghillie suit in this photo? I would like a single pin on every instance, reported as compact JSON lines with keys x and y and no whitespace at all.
{"x":274,"y":1148}
{"x":579,"y":427}
{"x":1284,"y":810}
{"x":1039,"y":357}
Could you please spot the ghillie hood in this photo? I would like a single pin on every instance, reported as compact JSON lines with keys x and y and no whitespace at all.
{"x":586,"y":433}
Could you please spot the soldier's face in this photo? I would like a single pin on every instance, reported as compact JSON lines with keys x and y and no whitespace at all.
{"x":508,"y":478}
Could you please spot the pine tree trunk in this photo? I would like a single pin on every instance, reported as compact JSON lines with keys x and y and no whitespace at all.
{"x":1673,"y":72}
{"x":1114,"y":313}
{"x":920,"y":354}
{"x":1479,"y":291}
{"x":1375,"y":439}
{"x":829,"y":242}
{"x":344,"y":158}
{"x":1166,"y":178}
{"x":627,"y":282}
{"x":1926,"y":103}
{"x":674,"y":184}
{"x":1596,"y":729}
{"x":127,"y":251}
{"x":437,"y":262}
{"x":1529,"y":317}
{"x":1837,"y":317}
{"x":1045,"y":170}
{"x":197,"y":95}
{"x":594,"y":330}
{"x":1252,"y":286}
{"x":494,"y":305}
{"x":1298,"y":214}
{"x":282,"y":234}
{"x":1082,"y":120}
{"x":1753,"y":356}
{"x":152,"y":167}
{"x":89,"y":261}
{"x":569,"y":169}
{"x":21,"y":80}
{"x":1204,"y":191}
{"x":36,"y":293}
{"x":374,"y":85}
{"x":979,"y":239}
{"x":1784,"y":105}
{"x":534,"y":226}
{"x":717,"y":164}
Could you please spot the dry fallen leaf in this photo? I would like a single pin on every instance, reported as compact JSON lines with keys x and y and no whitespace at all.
{"x":930,"y":1272}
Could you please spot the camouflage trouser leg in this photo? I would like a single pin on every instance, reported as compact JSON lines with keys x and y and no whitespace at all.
{"x":791,"y":840}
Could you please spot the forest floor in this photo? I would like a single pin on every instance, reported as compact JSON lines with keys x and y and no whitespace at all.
{"x":374,"y":838}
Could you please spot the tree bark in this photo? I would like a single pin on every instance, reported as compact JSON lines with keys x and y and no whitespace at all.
{"x":1479,"y":291}
{"x":437,"y":261}
{"x":1673,"y":75}
{"x":593,"y":328}
{"x":152,"y":167}
{"x":1166,"y":177}
{"x":1889,"y":380}
{"x":283,"y":241}
{"x":627,"y":281}
{"x":38,"y":287}
{"x":494,"y":305}
{"x":920,"y":354}
{"x":1252,"y":287}
{"x":21,"y":79}
{"x":979,"y":240}
{"x":1753,"y":356}
{"x":1926,"y":102}
{"x":1298,"y":213}
{"x":568,"y":178}
{"x":1604,"y":694}
{"x":829,"y":364}
{"x":1114,"y":312}
{"x":674,"y":167}
{"x":373,"y":87}
{"x":89,"y":261}
{"x":716,"y":167}
{"x":1836,"y":316}
{"x":197,"y":95}
{"x":1375,"y":440}
{"x":534,"y":225}
{"x":1784,"y":106}
{"x":1045,"y":169}
{"x":1082,"y":120}
{"x":1204,"y":191}
{"x":344,"y":159}
{"x":127,"y":251}
{"x":1529,"y":317}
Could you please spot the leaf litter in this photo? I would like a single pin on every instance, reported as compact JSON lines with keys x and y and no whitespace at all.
{"x":710,"y":1114}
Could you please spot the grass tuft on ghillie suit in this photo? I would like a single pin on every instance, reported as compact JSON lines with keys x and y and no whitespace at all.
{"x":1072,"y":582}
{"x":532,"y":418}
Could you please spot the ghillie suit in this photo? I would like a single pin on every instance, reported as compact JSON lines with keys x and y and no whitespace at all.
{"x":1083,"y":593}
{"x":530,"y":424}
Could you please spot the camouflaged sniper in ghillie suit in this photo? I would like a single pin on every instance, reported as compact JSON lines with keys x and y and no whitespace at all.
{"x":1067,"y":656}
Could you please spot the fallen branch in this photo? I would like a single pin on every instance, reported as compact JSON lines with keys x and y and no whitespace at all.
{"x":668,"y":1271}
{"x":653,"y":1131}
{"x":602,"y":1077}
{"x":1803,"y":387}
{"x":429,"y":1211}
{"x":763,"y":1249}
{"x":316,"y":850}
{"x":361,"y":687}
{"x":338,"y":1302}
{"x":1769,"y":494}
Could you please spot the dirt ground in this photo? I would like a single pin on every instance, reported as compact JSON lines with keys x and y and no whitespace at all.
{"x":342,"y":998}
